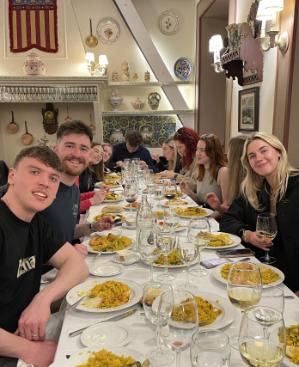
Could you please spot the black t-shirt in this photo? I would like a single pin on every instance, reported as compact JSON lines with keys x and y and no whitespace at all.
{"x":64,"y":212}
{"x":24,"y":248}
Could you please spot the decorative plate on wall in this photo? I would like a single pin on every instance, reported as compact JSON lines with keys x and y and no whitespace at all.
{"x":182,"y":68}
{"x":169,"y":22}
{"x":108,"y":30}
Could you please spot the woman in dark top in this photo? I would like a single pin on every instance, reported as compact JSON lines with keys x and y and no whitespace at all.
{"x":3,"y":173}
{"x":270,"y":185}
{"x":170,"y":159}
{"x":95,"y":172}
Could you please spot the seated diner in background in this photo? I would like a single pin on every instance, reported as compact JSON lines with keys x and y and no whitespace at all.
{"x":236,"y":175}
{"x":107,"y":154}
{"x":131,"y":148}
{"x":270,"y":185}
{"x":212,"y":172}
{"x":95,"y":171}
{"x":185,"y":140}
{"x":27,"y":242}
{"x":170,"y":160}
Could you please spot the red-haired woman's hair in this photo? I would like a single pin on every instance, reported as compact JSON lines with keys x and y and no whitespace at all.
{"x":190,"y":138}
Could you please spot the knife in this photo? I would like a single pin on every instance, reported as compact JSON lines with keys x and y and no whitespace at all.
{"x":112,"y":318}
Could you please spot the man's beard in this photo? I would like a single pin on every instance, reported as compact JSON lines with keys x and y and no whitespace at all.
{"x":72,"y":171}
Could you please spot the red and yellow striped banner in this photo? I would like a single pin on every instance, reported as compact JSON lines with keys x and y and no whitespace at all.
{"x":33,"y":24}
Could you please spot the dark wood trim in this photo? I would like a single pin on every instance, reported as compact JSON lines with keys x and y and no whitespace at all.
{"x":284,"y":74}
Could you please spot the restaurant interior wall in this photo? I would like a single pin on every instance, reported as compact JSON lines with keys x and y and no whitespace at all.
{"x":73,"y":17}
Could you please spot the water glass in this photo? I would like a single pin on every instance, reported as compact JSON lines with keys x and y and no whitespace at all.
{"x":210,"y":348}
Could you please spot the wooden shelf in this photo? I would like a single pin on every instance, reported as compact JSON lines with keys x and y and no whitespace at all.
{"x":148,"y":84}
{"x":147,"y":113}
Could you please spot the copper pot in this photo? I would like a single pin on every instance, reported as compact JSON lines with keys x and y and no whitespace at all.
{"x":12,"y":127}
{"x":27,"y":138}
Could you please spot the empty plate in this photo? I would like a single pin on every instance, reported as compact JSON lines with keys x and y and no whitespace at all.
{"x":105,"y":334}
{"x":105,"y":269}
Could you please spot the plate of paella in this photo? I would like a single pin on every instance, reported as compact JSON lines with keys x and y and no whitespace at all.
{"x":193,"y":212}
{"x":107,"y":244}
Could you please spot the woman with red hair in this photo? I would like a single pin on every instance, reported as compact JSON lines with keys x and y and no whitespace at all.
{"x":186,"y":141}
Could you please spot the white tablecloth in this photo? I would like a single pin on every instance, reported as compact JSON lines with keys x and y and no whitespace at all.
{"x":144,"y":335}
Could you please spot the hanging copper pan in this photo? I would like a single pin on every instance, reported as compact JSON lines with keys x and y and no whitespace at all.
{"x":12,"y":127}
{"x":91,"y":41}
{"x":27,"y":138}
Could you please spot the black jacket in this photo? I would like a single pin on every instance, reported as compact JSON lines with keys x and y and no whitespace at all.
{"x":286,"y":244}
{"x":162,"y":165}
{"x":3,"y":173}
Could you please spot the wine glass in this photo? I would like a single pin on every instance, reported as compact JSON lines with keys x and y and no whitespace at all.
{"x":147,"y":247}
{"x":188,"y":252}
{"x":183,"y":322}
{"x":266,"y":227}
{"x":273,"y":296}
{"x":170,"y":190}
{"x":201,"y":242}
{"x":166,"y":243}
{"x":244,"y":287}
{"x":157,"y":304}
{"x":210,"y":348}
{"x":130,"y":192}
{"x":260,"y":346}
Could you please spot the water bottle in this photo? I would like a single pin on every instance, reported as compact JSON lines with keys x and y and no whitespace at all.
{"x":144,"y":217}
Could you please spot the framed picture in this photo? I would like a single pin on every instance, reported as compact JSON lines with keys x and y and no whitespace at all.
{"x":248,"y":116}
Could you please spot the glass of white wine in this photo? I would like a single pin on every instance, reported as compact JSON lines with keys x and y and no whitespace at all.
{"x":244,"y":287}
{"x":260,"y":346}
{"x":266,"y":227}
{"x":188,"y":252}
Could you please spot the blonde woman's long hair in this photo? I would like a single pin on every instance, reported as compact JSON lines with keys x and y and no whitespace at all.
{"x":172,"y":164}
{"x":253,"y":182}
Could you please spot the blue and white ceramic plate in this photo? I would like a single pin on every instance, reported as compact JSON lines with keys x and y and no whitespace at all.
{"x":182,"y":68}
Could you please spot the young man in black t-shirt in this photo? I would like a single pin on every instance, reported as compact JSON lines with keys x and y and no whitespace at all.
{"x":27,"y":241}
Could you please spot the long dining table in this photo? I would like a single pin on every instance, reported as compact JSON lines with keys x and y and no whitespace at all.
{"x":142,"y":333}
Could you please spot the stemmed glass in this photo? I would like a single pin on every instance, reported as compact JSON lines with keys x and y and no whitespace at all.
{"x":130,"y":192}
{"x":266,"y":227}
{"x":201,"y":242}
{"x":170,"y":190}
{"x":210,"y":348}
{"x":274,"y":297}
{"x":188,"y":252}
{"x":166,"y":243}
{"x":147,"y":247}
{"x":158,"y":304}
{"x":244,"y":287}
{"x":183,"y":322}
{"x":260,"y":346}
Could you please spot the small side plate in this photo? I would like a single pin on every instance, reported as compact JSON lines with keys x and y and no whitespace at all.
{"x":105,"y":269}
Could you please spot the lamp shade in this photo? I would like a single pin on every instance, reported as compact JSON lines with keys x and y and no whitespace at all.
{"x":89,"y":56}
{"x":103,"y":60}
{"x":215,"y":43}
{"x":263,"y":13}
{"x":274,"y":5}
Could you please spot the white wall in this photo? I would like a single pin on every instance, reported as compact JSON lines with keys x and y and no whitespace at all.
{"x":212,"y":85}
{"x":73,"y":27}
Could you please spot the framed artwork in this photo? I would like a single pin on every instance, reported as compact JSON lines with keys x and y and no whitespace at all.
{"x":248,"y":114}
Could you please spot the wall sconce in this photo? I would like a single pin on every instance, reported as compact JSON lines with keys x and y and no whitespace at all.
{"x":215,"y":46}
{"x":98,"y":69}
{"x":270,"y":36}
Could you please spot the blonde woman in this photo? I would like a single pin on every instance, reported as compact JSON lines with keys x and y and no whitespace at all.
{"x":170,"y":159}
{"x":270,"y":185}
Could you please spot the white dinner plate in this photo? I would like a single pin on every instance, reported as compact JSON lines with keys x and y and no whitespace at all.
{"x":119,"y":198}
{"x":228,"y":311}
{"x":92,"y":251}
{"x":81,"y":355}
{"x":105,"y":335}
{"x":209,"y":212}
{"x":105,"y":270}
{"x":235,"y":242}
{"x":139,"y":275}
{"x":79,"y":290}
{"x":217,"y":275}
{"x":194,"y":262}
